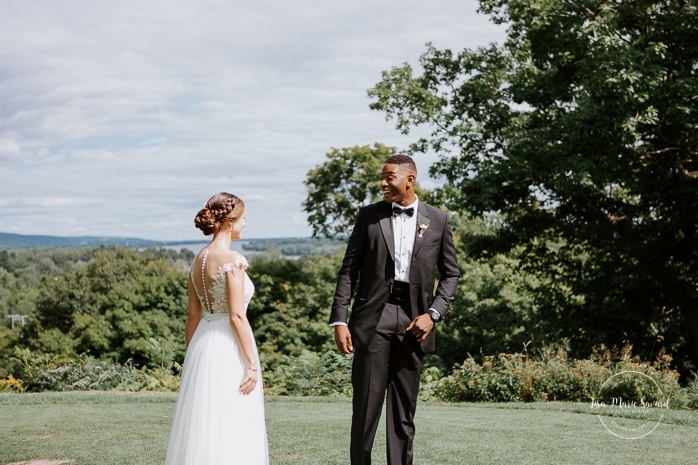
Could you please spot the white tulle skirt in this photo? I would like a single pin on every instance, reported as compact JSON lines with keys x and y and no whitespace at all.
{"x":214,"y":423}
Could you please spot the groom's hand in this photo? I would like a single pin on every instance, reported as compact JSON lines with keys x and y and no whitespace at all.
{"x":342,"y":337}
{"x":421,"y":327}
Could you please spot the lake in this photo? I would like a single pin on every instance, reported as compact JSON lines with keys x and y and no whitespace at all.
{"x":237,"y":246}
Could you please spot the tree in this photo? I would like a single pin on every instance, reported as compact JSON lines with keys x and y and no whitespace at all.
{"x":291,"y":306}
{"x":349,"y":179}
{"x":581,"y":130}
{"x":121,"y":305}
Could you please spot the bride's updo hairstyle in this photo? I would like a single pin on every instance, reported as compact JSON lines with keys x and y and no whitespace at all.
{"x":219,"y":208}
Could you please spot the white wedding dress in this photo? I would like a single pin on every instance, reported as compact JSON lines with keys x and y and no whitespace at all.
{"x":214,"y":423}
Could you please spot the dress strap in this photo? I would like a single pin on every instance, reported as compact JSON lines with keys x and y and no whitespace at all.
{"x":240,"y":262}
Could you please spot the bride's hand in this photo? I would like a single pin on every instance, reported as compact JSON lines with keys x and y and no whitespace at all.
{"x":250,"y":380}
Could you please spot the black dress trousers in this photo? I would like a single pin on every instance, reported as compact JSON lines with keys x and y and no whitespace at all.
{"x":392,"y":362}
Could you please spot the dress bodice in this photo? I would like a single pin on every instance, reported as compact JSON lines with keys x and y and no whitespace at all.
{"x":215,"y":297}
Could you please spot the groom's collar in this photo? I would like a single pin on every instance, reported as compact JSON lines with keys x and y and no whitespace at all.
{"x":414,"y":204}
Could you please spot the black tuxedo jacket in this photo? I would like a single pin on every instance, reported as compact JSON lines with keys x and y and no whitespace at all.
{"x":369,"y":260}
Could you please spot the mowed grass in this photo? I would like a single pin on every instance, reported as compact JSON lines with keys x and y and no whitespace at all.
{"x":132,"y":428}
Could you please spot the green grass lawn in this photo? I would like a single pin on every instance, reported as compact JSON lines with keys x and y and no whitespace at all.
{"x":132,"y":428}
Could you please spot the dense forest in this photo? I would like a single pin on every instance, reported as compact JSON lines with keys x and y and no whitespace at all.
{"x":113,"y":318}
{"x":127,"y":307}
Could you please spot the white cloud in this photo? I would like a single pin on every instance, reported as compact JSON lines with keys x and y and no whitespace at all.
{"x":9,"y":150}
{"x":123,"y":117}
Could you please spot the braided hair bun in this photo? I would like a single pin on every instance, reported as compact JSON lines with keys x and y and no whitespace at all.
{"x":219,"y":208}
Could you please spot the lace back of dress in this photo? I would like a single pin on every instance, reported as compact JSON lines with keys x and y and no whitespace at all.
{"x":213,"y":297}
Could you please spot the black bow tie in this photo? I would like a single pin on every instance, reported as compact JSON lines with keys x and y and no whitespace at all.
{"x":397,"y":210}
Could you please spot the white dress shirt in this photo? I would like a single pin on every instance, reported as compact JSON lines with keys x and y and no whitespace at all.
{"x":404,"y":230}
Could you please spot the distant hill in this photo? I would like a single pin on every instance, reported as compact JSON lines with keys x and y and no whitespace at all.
{"x":294,"y":246}
{"x":297,"y":246}
{"x":20,"y":241}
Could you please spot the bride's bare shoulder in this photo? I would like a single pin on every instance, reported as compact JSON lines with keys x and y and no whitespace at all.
{"x":236,"y":259}
{"x":198,"y":258}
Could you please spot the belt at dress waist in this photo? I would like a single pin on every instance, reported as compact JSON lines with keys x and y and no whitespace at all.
{"x":214,"y":316}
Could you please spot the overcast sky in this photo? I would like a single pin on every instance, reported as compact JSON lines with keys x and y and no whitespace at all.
{"x":121,"y":118}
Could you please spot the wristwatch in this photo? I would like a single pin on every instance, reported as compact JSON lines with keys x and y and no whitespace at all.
{"x":435,"y":316}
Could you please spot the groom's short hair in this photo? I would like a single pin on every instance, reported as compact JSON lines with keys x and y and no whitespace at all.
{"x":401,"y":159}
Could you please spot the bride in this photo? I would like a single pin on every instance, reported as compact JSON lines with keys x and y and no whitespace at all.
{"x":219,"y":417}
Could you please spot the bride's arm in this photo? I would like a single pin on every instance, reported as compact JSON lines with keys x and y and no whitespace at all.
{"x":235,"y":287}
{"x":193,"y":314}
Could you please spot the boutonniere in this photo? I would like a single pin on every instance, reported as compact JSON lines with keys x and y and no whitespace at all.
{"x":423,"y":224}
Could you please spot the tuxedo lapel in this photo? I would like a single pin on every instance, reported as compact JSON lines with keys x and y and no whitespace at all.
{"x":385,"y":219}
{"x":422,"y":216}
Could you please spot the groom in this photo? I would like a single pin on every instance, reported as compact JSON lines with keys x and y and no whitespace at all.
{"x":393,"y":252}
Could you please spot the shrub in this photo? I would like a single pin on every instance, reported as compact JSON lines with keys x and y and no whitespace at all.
{"x":10,"y":384}
{"x":157,"y":379}
{"x":551,"y":375}
{"x":311,"y":374}
{"x":692,"y":392}
{"x":429,"y":382}
{"x":497,"y":379}
{"x":43,"y":372}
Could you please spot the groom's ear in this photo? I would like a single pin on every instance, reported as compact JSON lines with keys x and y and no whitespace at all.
{"x":411,"y":179}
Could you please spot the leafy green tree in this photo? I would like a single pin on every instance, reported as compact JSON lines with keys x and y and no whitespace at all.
{"x":581,"y":130}
{"x":349,"y":179}
{"x":291,"y":307}
{"x":500,"y":306}
{"x":121,"y":305}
